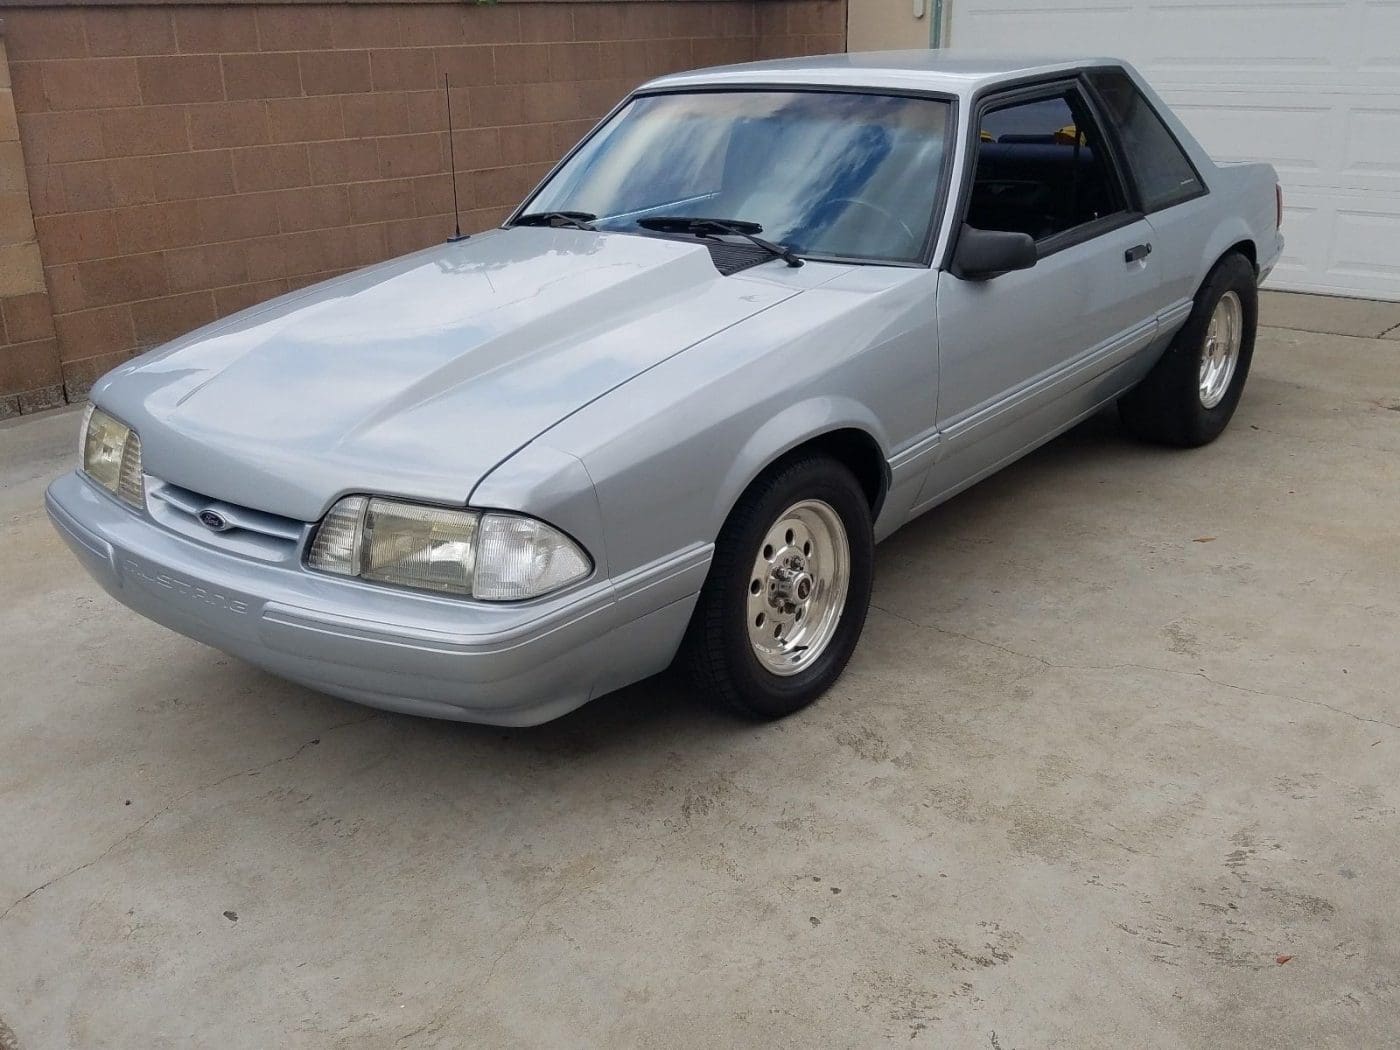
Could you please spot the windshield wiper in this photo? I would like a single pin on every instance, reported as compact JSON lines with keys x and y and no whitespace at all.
{"x":704,"y":227}
{"x":578,"y":220}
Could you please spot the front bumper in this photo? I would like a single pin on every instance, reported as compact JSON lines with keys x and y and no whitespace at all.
{"x":507,"y":664}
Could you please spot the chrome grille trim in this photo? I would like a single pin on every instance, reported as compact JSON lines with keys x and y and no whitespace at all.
{"x":256,"y":532}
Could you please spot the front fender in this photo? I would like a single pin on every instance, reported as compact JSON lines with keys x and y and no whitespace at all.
{"x":794,"y":426}
{"x":672,"y":450}
{"x":553,"y":486}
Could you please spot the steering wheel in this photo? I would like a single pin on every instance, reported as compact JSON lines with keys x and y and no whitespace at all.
{"x":884,"y":213}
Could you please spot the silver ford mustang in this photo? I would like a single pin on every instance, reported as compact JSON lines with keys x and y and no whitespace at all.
{"x":757,"y":320}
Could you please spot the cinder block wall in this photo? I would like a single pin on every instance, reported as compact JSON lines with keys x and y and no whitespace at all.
{"x":184,"y":160}
{"x":30,"y":379}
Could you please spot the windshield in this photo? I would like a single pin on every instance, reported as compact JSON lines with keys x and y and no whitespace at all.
{"x":848,"y":175}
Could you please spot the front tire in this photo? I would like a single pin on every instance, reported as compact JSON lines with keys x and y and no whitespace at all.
{"x":1191,"y":393}
{"x":789,"y":587}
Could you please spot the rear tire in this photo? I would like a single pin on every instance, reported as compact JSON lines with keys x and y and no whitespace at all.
{"x":788,"y":590}
{"x":1191,"y":393}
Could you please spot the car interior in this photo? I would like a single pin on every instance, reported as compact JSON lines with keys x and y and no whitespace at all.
{"x":862,"y":202}
{"x":1041,"y":169}
{"x":842,"y":175}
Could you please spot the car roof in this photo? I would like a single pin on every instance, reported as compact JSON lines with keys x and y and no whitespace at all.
{"x":951,"y":71}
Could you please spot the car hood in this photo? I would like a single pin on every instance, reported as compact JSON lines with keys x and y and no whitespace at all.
{"x":417,"y":376}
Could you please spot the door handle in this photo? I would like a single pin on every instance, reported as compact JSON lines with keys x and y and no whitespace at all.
{"x":1137,"y":253}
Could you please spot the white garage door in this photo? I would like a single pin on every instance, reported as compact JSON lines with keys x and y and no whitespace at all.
{"x":1312,"y":87}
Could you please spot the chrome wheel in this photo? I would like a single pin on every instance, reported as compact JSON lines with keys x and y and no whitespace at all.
{"x":1221,"y":350}
{"x":797,"y":587}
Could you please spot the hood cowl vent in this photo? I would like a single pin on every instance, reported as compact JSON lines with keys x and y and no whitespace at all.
{"x":730,"y":259}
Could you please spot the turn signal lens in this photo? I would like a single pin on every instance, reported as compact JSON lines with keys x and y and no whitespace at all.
{"x":521,"y":557}
{"x":490,"y":556}
{"x":131,"y":485}
{"x":112,"y":457}
{"x":337,"y":544}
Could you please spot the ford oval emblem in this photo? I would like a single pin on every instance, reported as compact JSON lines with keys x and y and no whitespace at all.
{"x":212,"y":519}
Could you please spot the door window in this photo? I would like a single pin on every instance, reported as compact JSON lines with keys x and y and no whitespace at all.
{"x":1042,"y":168}
{"x":1161,"y":169}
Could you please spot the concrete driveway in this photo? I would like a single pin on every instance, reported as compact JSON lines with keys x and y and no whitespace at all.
{"x":1114,"y":766}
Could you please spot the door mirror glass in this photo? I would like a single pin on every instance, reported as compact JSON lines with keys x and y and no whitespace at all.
{"x":984,"y":254}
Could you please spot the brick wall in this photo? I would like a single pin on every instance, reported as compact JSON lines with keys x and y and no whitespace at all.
{"x":29,"y":372}
{"x":185,"y":160}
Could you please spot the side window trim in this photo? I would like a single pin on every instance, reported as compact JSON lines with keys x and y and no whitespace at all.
{"x":1117,"y":153}
{"x":1117,"y":145}
{"x":1129,"y":210}
{"x":1086,"y":231}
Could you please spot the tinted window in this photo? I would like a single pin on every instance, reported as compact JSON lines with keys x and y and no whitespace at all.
{"x":1041,"y":169}
{"x":848,"y":175}
{"x":1163,"y":173}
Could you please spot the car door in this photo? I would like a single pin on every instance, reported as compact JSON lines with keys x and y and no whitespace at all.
{"x":1170,"y":190}
{"x":1025,"y":354}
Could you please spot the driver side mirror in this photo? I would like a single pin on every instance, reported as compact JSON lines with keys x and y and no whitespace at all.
{"x":984,"y":254}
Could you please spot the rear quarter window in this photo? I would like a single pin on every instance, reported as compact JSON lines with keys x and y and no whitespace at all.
{"x":1163,"y":173}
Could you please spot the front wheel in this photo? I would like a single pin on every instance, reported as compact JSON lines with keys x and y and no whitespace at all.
{"x":783,"y":606}
{"x":1191,"y":393}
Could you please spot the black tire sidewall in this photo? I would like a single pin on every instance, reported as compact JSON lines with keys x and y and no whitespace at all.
{"x":1166,"y":406}
{"x":760,"y":691}
{"x":1233,"y":274}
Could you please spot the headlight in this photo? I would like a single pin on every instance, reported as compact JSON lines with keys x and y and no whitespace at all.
{"x":485,"y":554}
{"x":112,"y":456}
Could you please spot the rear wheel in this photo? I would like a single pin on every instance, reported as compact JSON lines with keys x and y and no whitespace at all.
{"x":1191,"y":393}
{"x":785,"y":601}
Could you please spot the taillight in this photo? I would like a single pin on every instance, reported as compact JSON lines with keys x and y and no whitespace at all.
{"x":1278,"y":206}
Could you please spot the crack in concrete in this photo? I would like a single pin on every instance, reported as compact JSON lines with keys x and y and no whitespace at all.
{"x":1310,"y":701}
{"x":175,"y":802}
{"x":1323,"y":442}
{"x":524,"y":928}
{"x":1276,"y":327}
{"x":439,"y":1016}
